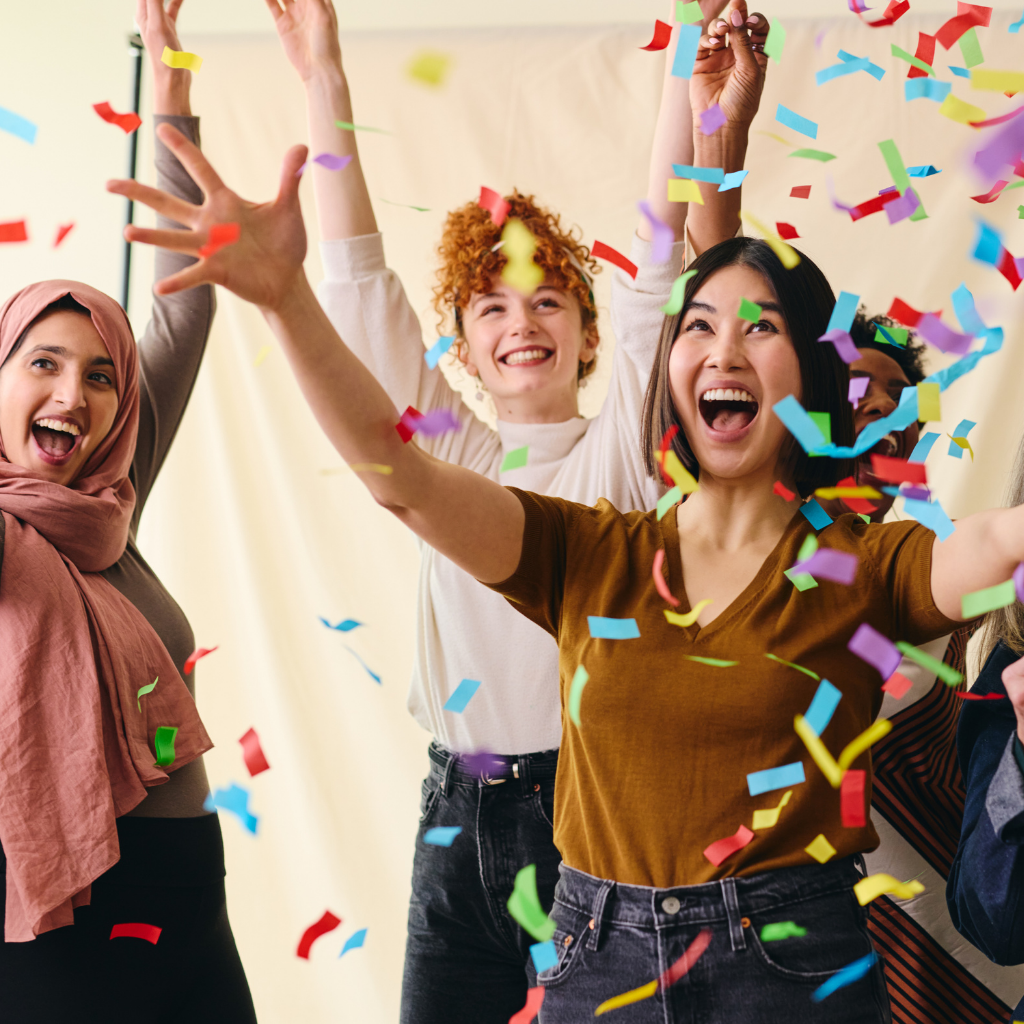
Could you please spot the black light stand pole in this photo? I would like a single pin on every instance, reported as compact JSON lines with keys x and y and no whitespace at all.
{"x":136,"y":47}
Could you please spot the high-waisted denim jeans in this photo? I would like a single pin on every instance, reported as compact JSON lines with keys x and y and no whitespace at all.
{"x":614,"y":938}
{"x":466,"y":959}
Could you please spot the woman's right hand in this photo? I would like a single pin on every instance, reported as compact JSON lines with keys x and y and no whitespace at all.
{"x":308,"y":30}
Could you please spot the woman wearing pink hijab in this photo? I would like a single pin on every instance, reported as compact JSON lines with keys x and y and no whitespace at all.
{"x":101,"y":825}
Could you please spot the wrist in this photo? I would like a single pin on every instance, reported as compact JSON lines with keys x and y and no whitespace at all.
{"x":171,"y":94}
{"x":728,"y":152}
{"x":326,"y":79}
{"x":291,"y":300}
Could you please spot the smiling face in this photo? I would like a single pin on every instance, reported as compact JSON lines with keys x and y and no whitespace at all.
{"x":58,"y":398}
{"x":527,"y":350}
{"x":726,"y":373}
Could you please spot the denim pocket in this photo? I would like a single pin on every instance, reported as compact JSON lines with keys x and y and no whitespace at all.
{"x":544,"y":803}
{"x":429,"y":792}
{"x":569,"y":924}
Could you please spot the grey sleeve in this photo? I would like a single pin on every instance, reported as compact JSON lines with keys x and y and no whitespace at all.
{"x":1004,"y":801}
{"x":172,"y":346}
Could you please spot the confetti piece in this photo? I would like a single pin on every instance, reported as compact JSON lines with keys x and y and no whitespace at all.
{"x":579,"y":680}
{"x":126,"y":122}
{"x":946,"y":673}
{"x":711,"y":662}
{"x":993,"y":193}
{"x":777,"y":138}
{"x":524,"y":905}
{"x":821,"y":849}
{"x":782,"y":930}
{"x":62,"y":232}
{"x":791,"y":119}
{"x":660,"y":583}
{"x":635,"y":995}
{"x":429,"y":67}
{"x":929,"y":405}
{"x":252,"y":753}
{"x":163,"y":744}
{"x":898,"y":171}
{"x":782,"y":491}
{"x":261,"y":356}
{"x":345,"y":626}
{"x":829,"y":493}
{"x":219,"y":236}
{"x":871,"y":735}
{"x":661,"y":37}
{"x":870,"y":888}
{"x":823,"y":706}
{"x":798,"y":423}
{"x":1015,"y":27}
{"x":600,"y":251}
{"x":769,"y":817}
{"x":236,"y":800}
{"x":733,"y":180}
{"x":872,"y":69}
{"x":674,"y":972}
{"x":749,"y":311}
{"x":722,"y":849}
{"x":534,"y":1000}
{"x":149,"y":932}
{"x":405,"y":206}
{"x":143,"y":691}
{"x":493,"y":203}
{"x":979,"y":602}
{"x":930,"y":514}
{"x":899,"y":310}
{"x":903,"y":207}
{"x":514,"y":459}
{"x":967,"y":16}
{"x":849,"y":974}
{"x":998,"y":81}
{"x":923,"y":171}
{"x":433,"y":354}
{"x":686,"y":51}
{"x":788,"y":256}
{"x":663,"y":237}
{"x":667,"y":500}
{"x":612,"y":629}
{"x":684,"y":190}
{"x":980,"y":696}
{"x":775,"y":41}
{"x":678,"y":473}
{"x":790,"y":664}
{"x":785,"y":231}
{"x":441,"y":835}
{"x":899,"y":470}
{"x":369,"y":671}
{"x":957,"y":110}
{"x":892,"y":335}
{"x":911,"y":59}
{"x":819,"y":752}
{"x":690,"y":617}
{"x":829,"y":564}
{"x":858,"y":388}
{"x":354,"y":941}
{"x":959,"y":72}
{"x":520,"y":272}
{"x":199,"y":652}
{"x":675,"y":301}
{"x":18,"y":126}
{"x":958,"y":439}
{"x":849,"y":65}
{"x":433,"y":423}
{"x":688,"y":13}
{"x":713,"y":118}
{"x":348,"y":126}
{"x":970,"y":48}
{"x":713,"y":175}
{"x":14,"y":231}
{"x":936,"y":333}
{"x":815,"y":515}
{"x":843,"y":343}
{"x":328,"y":161}
{"x":925,"y":89}
{"x":544,"y":955}
{"x":463,"y":694}
{"x":326,"y":924}
{"x":897,"y":686}
{"x":181,"y":59}
{"x":800,"y":192}
{"x":770,"y":779}
{"x":801,"y":581}
{"x":1018,"y":581}
{"x":851,"y":795}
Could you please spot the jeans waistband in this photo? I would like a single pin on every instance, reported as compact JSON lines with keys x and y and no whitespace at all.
{"x":488,"y":769}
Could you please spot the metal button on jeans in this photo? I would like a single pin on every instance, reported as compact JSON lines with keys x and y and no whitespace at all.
{"x":670,"y":905}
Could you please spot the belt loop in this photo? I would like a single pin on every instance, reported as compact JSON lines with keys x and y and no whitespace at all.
{"x":598,"y":912}
{"x":525,"y":778}
{"x":447,"y":780}
{"x":732,"y":912}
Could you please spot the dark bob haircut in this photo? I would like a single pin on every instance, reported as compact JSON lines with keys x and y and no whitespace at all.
{"x":807,"y":301}
{"x":909,"y":357}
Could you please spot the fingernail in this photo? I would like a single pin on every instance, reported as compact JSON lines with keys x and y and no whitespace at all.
{"x":752,"y":20}
{"x":737,"y":18}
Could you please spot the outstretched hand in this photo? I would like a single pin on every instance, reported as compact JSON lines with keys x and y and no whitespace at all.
{"x":265,"y":263}
{"x":308,"y":30}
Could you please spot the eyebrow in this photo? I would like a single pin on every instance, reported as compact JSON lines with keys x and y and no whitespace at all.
{"x":772,"y":307}
{"x":60,"y":350}
{"x":498,"y":295}
{"x":902,"y":381}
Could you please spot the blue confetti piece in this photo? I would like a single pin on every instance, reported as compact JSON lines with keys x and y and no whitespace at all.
{"x":236,"y":800}
{"x":543,"y":953}
{"x":686,"y":51}
{"x":925,"y":89}
{"x":775,"y":778}
{"x":824,"y":704}
{"x":462,"y":696}
{"x":845,"y":976}
{"x":815,"y":515}
{"x":799,"y":424}
{"x":961,"y":72}
{"x":847,"y":68}
{"x":930,"y":514}
{"x":791,"y":119}
{"x":369,"y":671}
{"x":843,"y":312}
{"x":442,"y":835}
{"x":966,"y":311}
{"x":1014,"y":28}
{"x":733,"y":180}
{"x":962,"y":429}
{"x":923,"y":170}
{"x":872,"y":69}
{"x":438,"y":349}
{"x":989,"y":246}
{"x":714,"y":175}
{"x":612,"y":629}
{"x":355,"y":941}
{"x":923,"y":447}
{"x":14,"y":124}
{"x":343,"y":627}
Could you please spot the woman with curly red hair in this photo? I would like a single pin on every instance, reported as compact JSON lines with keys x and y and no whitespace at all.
{"x":467,"y":960}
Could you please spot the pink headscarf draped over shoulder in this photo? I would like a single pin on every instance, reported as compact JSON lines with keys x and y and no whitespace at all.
{"x":75,"y":750}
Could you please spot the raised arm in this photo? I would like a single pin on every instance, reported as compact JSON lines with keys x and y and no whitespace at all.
{"x":474,"y":521}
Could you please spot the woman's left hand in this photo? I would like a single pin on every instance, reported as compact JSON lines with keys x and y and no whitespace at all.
{"x":158,"y":26}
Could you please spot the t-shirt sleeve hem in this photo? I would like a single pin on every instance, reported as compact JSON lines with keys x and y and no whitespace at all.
{"x":348,"y":259}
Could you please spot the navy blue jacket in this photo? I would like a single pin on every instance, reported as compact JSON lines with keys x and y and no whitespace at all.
{"x":987,"y":880}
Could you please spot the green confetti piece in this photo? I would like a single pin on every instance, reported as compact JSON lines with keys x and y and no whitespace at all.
{"x":164,"y":743}
{"x":988,"y":600}
{"x":948,"y":675}
{"x":867,"y":519}
{"x":775,"y":42}
{"x":749,"y":311}
{"x":910,"y":58}
{"x":524,"y":905}
{"x":143,"y":691}
{"x":348,"y":126}
{"x":892,"y":335}
{"x":823,"y":421}
{"x":813,"y":154}
{"x":898,"y":171}
{"x":514,"y":459}
{"x":579,"y":680}
{"x":809,"y":546}
{"x":781,"y":930}
{"x":688,"y":13}
{"x":713,"y":662}
{"x":792,"y":664}
{"x":970,"y":47}
{"x":405,"y":206}
{"x":667,"y":500}
{"x":675,"y":300}
{"x":801,"y":580}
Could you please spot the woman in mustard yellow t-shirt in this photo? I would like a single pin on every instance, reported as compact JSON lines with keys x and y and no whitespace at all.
{"x":707,"y":867}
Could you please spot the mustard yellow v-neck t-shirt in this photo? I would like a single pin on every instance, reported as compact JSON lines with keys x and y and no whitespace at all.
{"x":657,"y":769}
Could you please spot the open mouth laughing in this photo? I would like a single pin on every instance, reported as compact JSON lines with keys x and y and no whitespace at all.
{"x":56,"y":440}
{"x":728,"y":412}
{"x":534,"y":356}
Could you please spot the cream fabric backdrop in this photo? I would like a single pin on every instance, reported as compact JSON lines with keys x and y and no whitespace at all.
{"x":257,"y":534}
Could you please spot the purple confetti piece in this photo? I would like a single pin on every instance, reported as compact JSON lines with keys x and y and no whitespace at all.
{"x":888,"y":188}
{"x":818,"y":38}
{"x":916,"y":493}
{"x":944,"y":338}
{"x":858,"y":389}
{"x":1001,"y":151}
{"x":829,"y":564}
{"x":902,"y":208}
{"x":869,"y":645}
{"x":664,"y":237}
{"x":843,"y":343}
{"x":712,"y":119}
{"x":328,"y":160}
{"x":838,"y":204}
{"x":433,"y":423}
{"x":481,"y":763}
{"x":1018,"y":581}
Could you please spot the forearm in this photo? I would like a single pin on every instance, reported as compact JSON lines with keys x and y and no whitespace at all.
{"x":719,"y":217}
{"x":171,"y":89}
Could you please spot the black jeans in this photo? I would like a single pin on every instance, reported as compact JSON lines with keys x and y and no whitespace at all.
{"x":613,"y":938}
{"x":466,"y":960}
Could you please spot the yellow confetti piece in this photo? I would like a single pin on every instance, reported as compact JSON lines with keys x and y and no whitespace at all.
{"x":822,"y":758}
{"x":963,"y":443}
{"x":359,"y":467}
{"x":635,"y":995}
{"x":788,"y":256}
{"x":429,"y":67}
{"x":856,"y":747}
{"x":261,"y":355}
{"x":690,"y":617}
{"x":929,"y":404}
{"x":181,"y":59}
{"x":959,"y":111}
{"x":684,"y":190}
{"x":821,"y":850}
{"x":870,"y":888}
{"x":996,"y":81}
{"x":520,"y":271}
{"x":846,"y":492}
{"x":679,"y":474}
{"x":777,"y":138}
{"x":769,"y":817}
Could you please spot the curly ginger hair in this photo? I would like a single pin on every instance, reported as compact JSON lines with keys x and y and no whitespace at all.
{"x":469,"y":263}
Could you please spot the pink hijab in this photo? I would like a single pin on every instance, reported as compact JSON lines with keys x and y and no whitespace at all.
{"x":75,"y":750}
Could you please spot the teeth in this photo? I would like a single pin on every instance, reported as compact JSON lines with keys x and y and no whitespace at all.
{"x":66,"y":428}
{"x":728,"y":395}
{"x":525,"y":356}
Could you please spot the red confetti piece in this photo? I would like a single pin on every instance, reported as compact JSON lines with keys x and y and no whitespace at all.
{"x":897,"y":686}
{"x":326,"y":924}
{"x":992,"y":194}
{"x":925,"y":51}
{"x":14,"y":231}
{"x":404,"y":425}
{"x":851,"y":795}
{"x":968,"y":15}
{"x":666,"y":440}
{"x":722,"y":849}
{"x":534,"y":998}
{"x":149,"y":932}
{"x":873,"y":205}
{"x":904,"y":314}
{"x":600,"y":251}
{"x":965,"y":695}
{"x":126,"y":122}
{"x":62,"y":232}
{"x":786,"y":231}
{"x":898,"y":471}
{"x":1007,"y":266}
{"x":219,"y":236}
{"x":1019,"y":169}
{"x":856,"y":504}
{"x":199,"y":652}
{"x":685,"y":963}
{"x":252,"y":752}
{"x":892,"y":14}
{"x":783,"y":491}
{"x":800,"y":192}
{"x":659,"y":581}
{"x":662,"y":35}
{"x":493,"y":203}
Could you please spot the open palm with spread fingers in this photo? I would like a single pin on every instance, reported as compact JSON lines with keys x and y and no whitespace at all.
{"x":308,"y":30}
{"x":266,"y":260}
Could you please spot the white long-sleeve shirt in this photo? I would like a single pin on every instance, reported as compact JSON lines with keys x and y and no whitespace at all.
{"x":464,"y":630}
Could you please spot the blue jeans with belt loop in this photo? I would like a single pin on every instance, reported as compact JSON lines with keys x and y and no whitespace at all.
{"x":613,"y":938}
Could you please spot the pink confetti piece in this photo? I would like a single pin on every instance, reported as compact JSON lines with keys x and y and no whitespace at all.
{"x":877,"y":650}
{"x":843,"y":343}
{"x":433,"y":423}
{"x":902,"y":208}
{"x":199,"y":652}
{"x":897,"y":686}
{"x":664,"y":236}
{"x":712,"y":119}
{"x":660,"y":584}
{"x":858,"y":389}
{"x":830,"y":564}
